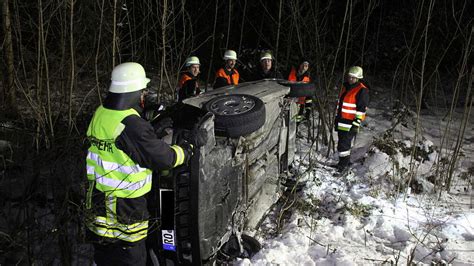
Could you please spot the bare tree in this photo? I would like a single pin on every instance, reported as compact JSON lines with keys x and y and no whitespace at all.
{"x":9,"y":93}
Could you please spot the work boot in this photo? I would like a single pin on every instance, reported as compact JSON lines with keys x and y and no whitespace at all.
{"x":344,"y":163}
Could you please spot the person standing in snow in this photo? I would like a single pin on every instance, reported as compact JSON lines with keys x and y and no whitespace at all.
{"x":124,"y":150}
{"x":266,"y":69}
{"x":351,"y":107}
{"x":302,"y":75}
{"x":188,"y":85}
{"x":227,"y":75}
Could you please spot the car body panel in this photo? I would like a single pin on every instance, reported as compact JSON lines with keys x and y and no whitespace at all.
{"x":238,"y":179}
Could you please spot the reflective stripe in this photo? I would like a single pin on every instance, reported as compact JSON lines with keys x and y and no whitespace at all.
{"x":348,"y":111}
{"x":344,"y":153}
{"x":102,"y":221}
{"x":130,"y":233}
{"x":344,"y":125}
{"x":113,"y":233}
{"x":107,"y":227}
{"x":89,"y":194}
{"x":179,"y":155}
{"x":90,"y":170}
{"x":111,"y":166}
{"x":120,"y":184}
{"x":360,"y":115}
{"x":349,"y":104}
{"x":111,"y":209}
{"x":128,"y":82}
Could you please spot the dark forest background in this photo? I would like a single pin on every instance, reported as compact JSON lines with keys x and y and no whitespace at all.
{"x":57,"y":56}
{"x":62,"y":48}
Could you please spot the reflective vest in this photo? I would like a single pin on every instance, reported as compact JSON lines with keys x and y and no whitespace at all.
{"x":232,"y":79}
{"x":184,"y":77}
{"x":114,"y":173}
{"x":293,"y":77}
{"x":347,"y":111}
{"x":304,"y":78}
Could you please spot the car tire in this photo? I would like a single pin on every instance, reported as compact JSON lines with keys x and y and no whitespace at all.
{"x":251,"y":245}
{"x":300,"y":89}
{"x":237,"y":114}
{"x":230,"y":250}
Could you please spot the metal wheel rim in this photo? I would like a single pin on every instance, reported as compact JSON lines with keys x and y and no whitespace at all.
{"x":232,"y":105}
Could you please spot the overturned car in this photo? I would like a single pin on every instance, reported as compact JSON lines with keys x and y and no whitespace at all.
{"x":207,"y":206}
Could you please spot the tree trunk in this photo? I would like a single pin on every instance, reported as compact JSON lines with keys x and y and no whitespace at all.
{"x":114,"y":34}
{"x":73,"y":63}
{"x":213,"y":43}
{"x":9,"y":91}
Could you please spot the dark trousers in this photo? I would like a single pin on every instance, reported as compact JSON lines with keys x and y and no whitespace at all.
{"x":120,"y":255}
{"x":344,"y":145}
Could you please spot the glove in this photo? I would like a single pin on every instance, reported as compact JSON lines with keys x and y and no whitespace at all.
{"x":188,"y":150}
{"x":198,"y":137}
{"x":161,"y":126}
{"x":355,"y":126}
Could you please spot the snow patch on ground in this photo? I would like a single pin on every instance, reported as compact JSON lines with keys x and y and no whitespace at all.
{"x":375,"y":215}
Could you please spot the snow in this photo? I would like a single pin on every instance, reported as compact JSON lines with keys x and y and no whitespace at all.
{"x":371,"y":216}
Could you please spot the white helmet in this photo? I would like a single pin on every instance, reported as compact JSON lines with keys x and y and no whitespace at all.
{"x":193,"y":60}
{"x":266,"y":55}
{"x":230,"y":54}
{"x":356,"y":72}
{"x":128,"y":77}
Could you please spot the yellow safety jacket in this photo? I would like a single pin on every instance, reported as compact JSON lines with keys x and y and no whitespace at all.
{"x":114,"y":177}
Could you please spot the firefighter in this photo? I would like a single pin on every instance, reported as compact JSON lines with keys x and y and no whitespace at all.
{"x":123,"y":152}
{"x":302,"y":75}
{"x":227,"y":75}
{"x":266,"y":69}
{"x":351,"y":108}
{"x":188,"y":84}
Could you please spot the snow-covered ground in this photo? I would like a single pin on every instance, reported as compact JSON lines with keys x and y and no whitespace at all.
{"x":372,"y":216}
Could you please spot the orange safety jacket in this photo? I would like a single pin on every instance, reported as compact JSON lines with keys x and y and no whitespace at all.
{"x":347,"y":110}
{"x":304,"y":78}
{"x":232,"y":77}
{"x":184,"y":77}
{"x":184,"y":90}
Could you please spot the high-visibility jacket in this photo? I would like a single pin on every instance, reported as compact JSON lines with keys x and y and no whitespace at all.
{"x":225,"y":77}
{"x":351,"y":106}
{"x":187,"y":86}
{"x":184,"y":77}
{"x":293,"y":76}
{"x":113,"y":176}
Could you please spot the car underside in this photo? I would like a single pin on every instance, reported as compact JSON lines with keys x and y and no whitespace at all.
{"x":208,"y":207}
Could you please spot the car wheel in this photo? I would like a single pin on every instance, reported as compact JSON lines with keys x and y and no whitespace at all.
{"x":236,"y":115}
{"x":231,"y":249}
{"x":300,"y":89}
